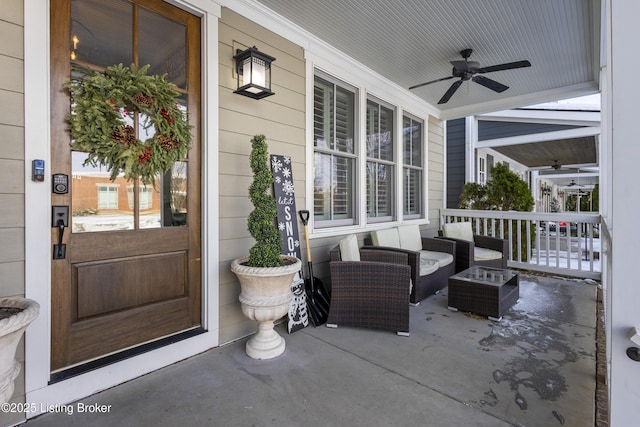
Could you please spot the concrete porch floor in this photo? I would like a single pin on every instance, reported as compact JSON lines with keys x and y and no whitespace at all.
{"x":536,"y":367}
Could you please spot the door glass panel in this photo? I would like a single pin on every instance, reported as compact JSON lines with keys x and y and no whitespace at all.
{"x":166,"y":204}
{"x":97,"y":203}
{"x":102,"y":32}
{"x":162,"y":45}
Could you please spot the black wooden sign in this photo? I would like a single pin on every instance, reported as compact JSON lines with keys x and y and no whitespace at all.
{"x":288,"y":226}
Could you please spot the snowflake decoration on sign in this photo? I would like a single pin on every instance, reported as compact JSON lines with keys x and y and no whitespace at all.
{"x":287,"y":187}
{"x":276,"y":165}
{"x":286,"y":172}
{"x":278,"y":179}
{"x":296,"y":243}
{"x":281,"y":226}
{"x":287,"y":159}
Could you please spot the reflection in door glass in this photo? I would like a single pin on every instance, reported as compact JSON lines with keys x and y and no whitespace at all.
{"x":97,"y":203}
{"x":102,"y":32}
{"x":166,"y":205}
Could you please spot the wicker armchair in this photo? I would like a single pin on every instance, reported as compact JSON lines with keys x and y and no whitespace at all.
{"x":370,"y":293}
{"x":474,"y":249}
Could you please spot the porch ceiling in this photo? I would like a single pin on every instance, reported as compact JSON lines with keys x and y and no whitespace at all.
{"x":412,"y":42}
{"x":567,"y":152}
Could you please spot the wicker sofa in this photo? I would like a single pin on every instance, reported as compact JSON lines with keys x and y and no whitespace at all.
{"x":432,"y":260}
{"x":369,"y":288}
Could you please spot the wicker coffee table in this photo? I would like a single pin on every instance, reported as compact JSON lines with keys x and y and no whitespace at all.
{"x":483,"y":290}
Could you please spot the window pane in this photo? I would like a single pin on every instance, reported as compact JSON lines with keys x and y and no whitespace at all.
{"x":333,"y":191}
{"x":174,"y":196}
{"x":334,"y":165}
{"x":345,"y":121}
{"x":412,"y":147}
{"x":412,"y":176}
{"x":379,"y":190}
{"x":379,"y":132}
{"x":97,"y":203}
{"x":412,"y":188}
{"x":102,"y":32}
{"x":322,"y":114}
{"x":162,"y":44}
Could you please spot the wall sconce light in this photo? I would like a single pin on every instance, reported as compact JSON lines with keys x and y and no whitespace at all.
{"x":253,"y":69}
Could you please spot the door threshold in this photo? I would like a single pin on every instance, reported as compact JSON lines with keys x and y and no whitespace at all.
{"x":80,"y":369}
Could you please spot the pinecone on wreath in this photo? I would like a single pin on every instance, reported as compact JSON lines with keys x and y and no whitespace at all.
{"x":142,"y":99}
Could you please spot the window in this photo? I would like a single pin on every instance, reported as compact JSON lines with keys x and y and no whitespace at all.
{"x":368,"y":158}
{"x":145,"y":197}
{"x":334,"y":112}
{"x":380,"y":162}
{"x":107,"y":197}
{"x":412,"y":168}
{"x":482,"y":171}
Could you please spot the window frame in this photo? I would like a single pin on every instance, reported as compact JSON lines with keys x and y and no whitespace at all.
{"x":333,"y":152}
{"x":420,"y":168}
{"x":351,"y":74}
{"x":390,"y":164}
{"x":482,"y":170}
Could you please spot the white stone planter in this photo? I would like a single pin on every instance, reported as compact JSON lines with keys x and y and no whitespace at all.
{"x":11,"y":330}
{"x":265,"y":297}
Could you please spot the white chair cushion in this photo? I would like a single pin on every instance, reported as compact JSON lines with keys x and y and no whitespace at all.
{"x":484,"y":254}
{"x":349,"y":250}
{"x":387,"y":237}
{"x":410,"y":238}
{"x":427,"y":266}
{"x":458,"y":230}
{"x":442,"y":258}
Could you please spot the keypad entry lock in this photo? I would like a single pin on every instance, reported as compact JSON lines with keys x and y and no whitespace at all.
{"x":60,"y":220}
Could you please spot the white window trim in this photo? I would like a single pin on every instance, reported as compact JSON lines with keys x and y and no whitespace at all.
{"x":395,"y":163}
{"x":425,"y":167}
{"x":327,"y":61}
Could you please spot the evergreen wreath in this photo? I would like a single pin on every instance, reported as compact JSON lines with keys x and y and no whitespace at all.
{"x":101,"y":122}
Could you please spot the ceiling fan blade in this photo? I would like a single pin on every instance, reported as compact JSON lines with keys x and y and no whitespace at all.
{"x":432,"y":81}
{"x":491,"y":84}
{"x":454,"y":87}
{"x":507,"y":66}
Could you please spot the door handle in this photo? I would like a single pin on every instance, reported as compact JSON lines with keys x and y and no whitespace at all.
{"x":60,"y":220}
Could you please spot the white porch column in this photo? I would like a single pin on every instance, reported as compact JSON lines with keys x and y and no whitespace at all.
{"x":621,"y":196}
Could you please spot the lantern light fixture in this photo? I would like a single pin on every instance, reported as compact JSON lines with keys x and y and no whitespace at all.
{"x":253,"y":70}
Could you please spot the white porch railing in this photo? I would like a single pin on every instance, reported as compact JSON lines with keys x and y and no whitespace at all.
{"x":561,"y":243}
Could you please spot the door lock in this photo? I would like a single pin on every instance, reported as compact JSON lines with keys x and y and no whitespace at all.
{"x":60,"y":220}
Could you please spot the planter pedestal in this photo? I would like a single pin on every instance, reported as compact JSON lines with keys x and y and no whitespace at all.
{"x":11,"y":330}
{"x":265,"y":297}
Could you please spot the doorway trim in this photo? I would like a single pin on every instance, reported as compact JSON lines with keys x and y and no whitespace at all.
{"x":37,"y":221}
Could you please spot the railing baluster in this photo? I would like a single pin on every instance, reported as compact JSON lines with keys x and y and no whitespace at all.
{"x":541,"y":243}
{"x":528,"y":224}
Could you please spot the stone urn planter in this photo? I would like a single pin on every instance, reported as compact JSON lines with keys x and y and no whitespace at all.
{"x":265,"y":297}
{"x":15,"y":315}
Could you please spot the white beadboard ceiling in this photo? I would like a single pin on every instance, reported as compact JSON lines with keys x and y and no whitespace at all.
{"x":412,"y":41}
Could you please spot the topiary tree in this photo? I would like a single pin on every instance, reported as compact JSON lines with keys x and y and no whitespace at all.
{"x":261,"y":221}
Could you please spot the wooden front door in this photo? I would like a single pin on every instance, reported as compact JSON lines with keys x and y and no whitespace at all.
{"x":131,"y":272}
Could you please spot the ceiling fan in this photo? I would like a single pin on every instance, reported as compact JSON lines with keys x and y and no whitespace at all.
{"x":470,"y":70}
